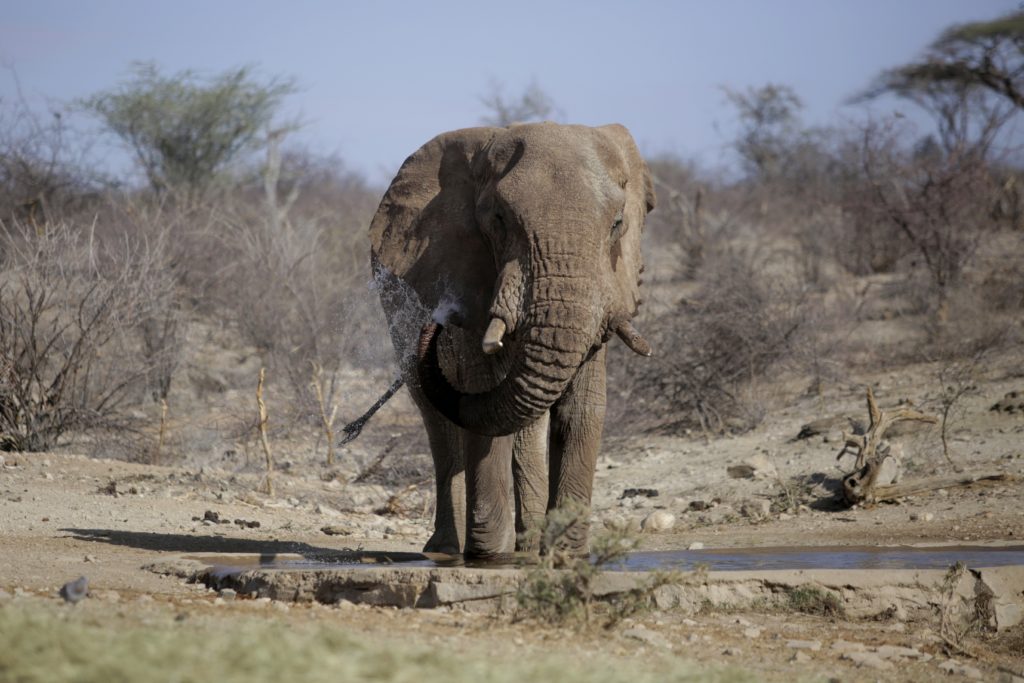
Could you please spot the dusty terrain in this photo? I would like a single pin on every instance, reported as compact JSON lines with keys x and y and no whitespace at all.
{"x":64,"y":515}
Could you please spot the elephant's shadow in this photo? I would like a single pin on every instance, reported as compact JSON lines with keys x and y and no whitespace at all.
{"x":267,"y":551}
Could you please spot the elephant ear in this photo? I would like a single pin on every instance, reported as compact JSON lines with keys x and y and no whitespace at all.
{"x":627,"y":257}
{"x":426,"y":250}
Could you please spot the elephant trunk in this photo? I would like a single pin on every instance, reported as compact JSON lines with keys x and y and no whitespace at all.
{"x":557,"y":332}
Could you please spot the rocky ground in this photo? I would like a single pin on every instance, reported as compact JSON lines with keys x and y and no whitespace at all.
{"x":65,"y":515}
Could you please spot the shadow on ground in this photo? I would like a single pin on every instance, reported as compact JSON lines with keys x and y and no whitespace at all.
{"x":191,"y":543}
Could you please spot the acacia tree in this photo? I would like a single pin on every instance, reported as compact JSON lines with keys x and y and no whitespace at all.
{"x":184,"y":129}
{"x":971,"y":80}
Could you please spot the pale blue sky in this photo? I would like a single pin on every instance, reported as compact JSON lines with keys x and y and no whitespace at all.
{"x":380,"y":78}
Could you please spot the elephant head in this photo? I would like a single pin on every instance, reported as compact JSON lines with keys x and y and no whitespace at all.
{"x":527,"y":238}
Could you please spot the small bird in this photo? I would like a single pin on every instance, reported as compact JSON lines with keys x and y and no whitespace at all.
{"x":75,"y":591}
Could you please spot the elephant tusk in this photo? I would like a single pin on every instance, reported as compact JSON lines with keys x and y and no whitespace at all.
{"x":492,"y":337}
{"x":633,"y":339}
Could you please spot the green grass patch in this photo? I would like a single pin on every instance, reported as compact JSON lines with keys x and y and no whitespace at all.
{"x":811,"y":600}
{"x":50,"y":643}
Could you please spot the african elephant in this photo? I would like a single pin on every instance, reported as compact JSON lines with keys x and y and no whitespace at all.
{"x":505,"y":259}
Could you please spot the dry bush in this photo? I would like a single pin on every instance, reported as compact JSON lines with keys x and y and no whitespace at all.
{"x":70,"y":308}
{"x":296,"y":277}
{"x":43,"y":172}
{"x":709,"y":351}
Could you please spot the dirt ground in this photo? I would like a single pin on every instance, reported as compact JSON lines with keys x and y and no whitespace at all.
{"x":65,"y":515}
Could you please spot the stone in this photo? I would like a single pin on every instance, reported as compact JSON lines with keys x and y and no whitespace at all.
{"x":621,"y":523}
{"x":75,"y":591}
{"x":752,"y":632}
{"x":658,"y":521}
{"x":696,"y":545}
{"x":336,"y":530}
{"x":955,"y":668}
{"x":869,"y":660}
{"x":732,"y":651}
{"x":898,"y":652}
{"x":843,"y":646}
{"x":800,"y":657}
{"x":641,"y":492}
{"x":813,"y":645}
{"x":326,"y":511}
{"x":644,"y":635}
{"x":227,"y":594}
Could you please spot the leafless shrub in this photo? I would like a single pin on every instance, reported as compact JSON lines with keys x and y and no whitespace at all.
{"x":709,"y":350}
{"x":68,"y":309}
{"x":296,"y":278}
{"x":935,"y":201}
{"x":43,"y":176}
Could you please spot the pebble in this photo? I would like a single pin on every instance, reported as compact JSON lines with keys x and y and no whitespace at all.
{"x":752,"y":632}
{"x":921,"y":516}
{"x":91,"y":558}
{"x":813,"y":645}
{"x":327,"y":511}
{"x":800,"y":657}
{"x":646,"y":636}
{"x":732,"y":651}
{"x":868,"y":659}
{"x":227,"y":593}
{"x":75,"y":591}
{"x":953,"y":667}
{"x":897,"y":652}
{"x":848,"y":646}
{"x":696,"y":545}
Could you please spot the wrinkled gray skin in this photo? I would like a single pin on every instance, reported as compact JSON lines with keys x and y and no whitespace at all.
{"x":506,"y":258}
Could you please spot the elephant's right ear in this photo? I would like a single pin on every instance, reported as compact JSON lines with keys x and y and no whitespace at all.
{"x":424,"y":232}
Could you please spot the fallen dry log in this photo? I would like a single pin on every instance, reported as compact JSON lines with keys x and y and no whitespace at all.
{"x":911,"y":488}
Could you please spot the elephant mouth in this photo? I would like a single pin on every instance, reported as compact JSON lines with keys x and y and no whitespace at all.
{"x":444,"y":397}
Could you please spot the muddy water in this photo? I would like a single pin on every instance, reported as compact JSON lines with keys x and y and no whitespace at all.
{"x":730,"y":559}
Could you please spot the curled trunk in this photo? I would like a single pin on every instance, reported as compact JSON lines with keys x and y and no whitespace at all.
{"x":546,"y":360}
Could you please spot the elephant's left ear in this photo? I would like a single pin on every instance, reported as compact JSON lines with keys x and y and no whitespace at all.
{"x":639,"y":174}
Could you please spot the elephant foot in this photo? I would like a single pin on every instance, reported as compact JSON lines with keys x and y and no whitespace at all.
{"x":440,"y":544}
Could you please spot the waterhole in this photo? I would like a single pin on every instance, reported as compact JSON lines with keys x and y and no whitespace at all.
{"x":726,"y":559}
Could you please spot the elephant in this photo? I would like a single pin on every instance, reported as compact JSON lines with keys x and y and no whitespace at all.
{"x":505,"y":260}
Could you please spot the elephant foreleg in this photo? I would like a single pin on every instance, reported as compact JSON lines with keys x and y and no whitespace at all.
{"x":530,"y":477}
{"x":446,"y":449}
{"x":577,"y":420}
{"x":490,"y":527}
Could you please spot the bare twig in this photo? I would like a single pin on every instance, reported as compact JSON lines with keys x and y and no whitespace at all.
{"x":267,"y":486}
{"x":894,"y":491}
{"x":163,"y":431}
{"x":326,"y":420}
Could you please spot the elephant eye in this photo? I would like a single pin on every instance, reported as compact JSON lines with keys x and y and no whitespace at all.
{"x":617,"y":226}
